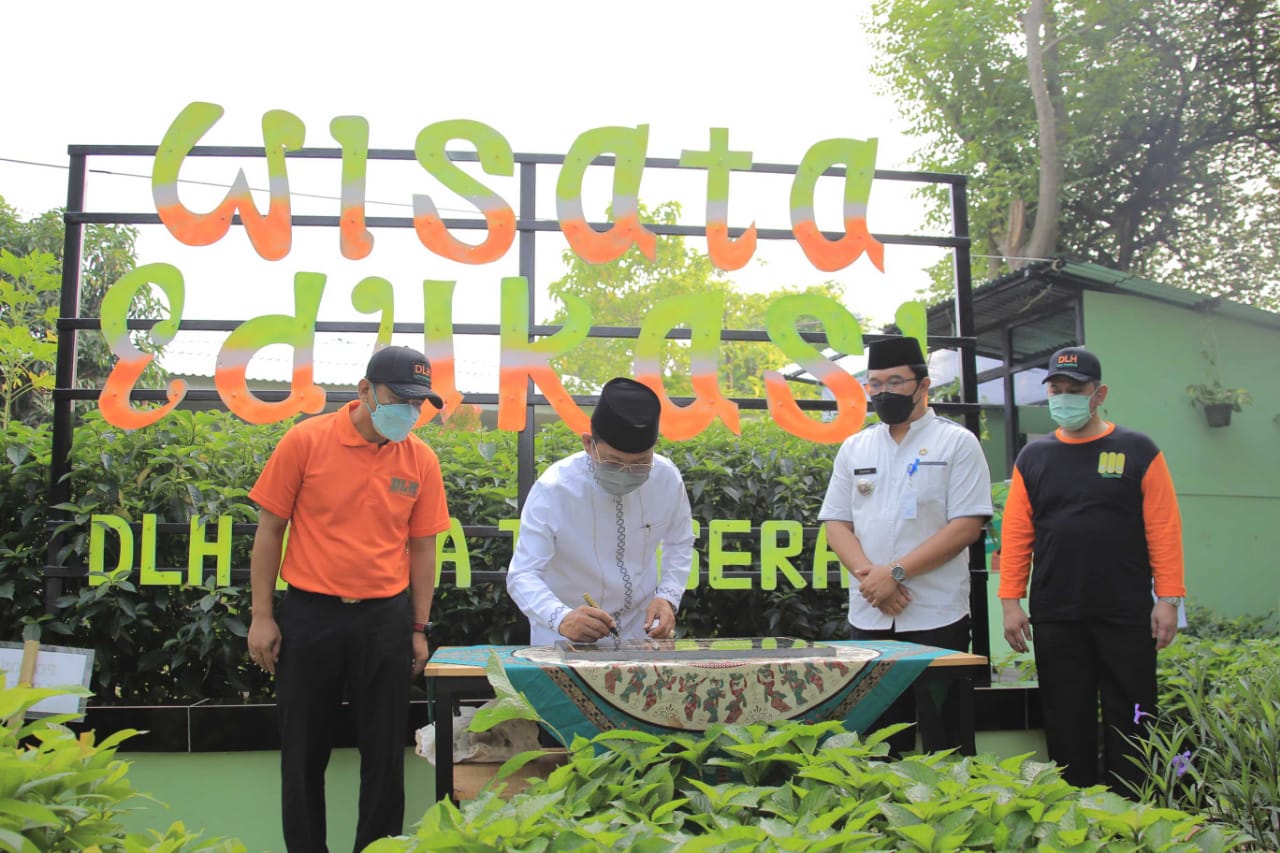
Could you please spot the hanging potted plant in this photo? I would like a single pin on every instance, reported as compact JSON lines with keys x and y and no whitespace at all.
{"x":1218,"y":402}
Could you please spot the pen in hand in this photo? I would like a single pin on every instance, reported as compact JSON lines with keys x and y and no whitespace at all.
{"x":591,"y":602}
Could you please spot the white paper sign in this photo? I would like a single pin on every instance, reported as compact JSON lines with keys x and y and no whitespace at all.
{"x":56,"y":666}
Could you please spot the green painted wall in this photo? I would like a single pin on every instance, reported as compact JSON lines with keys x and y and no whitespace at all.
{"x":1035,"y":420}
{"x":1227,"y":479}
{"x":1032,"y":420}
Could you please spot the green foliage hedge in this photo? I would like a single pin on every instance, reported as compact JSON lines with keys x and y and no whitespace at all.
{"x":156,"y":645}
{"x":800,"y":787}
{"x":804,"y":787}
{"x":179,"y":644}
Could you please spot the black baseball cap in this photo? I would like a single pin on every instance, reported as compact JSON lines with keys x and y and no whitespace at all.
{"x":405,"y":371}
{"x":1076,"y":362}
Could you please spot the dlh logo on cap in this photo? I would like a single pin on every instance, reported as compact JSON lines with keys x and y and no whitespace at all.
{"x":405,"y":371}
{"x":1076,"y":362}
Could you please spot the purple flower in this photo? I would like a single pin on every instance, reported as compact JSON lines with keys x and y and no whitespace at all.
{"x":1181,"y":763}
{"x":1138,"y":713}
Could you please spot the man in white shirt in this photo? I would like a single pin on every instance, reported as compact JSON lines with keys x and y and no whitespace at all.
{"x":906,"y":499}
{"x":592,"y":526}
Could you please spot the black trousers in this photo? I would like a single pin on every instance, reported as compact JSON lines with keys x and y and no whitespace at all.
{"x":936,"y":708}
{"x":329,"y":652}
{"x":1078,"y":663}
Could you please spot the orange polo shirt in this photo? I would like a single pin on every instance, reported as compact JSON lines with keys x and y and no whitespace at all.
{"x":352,"y":505}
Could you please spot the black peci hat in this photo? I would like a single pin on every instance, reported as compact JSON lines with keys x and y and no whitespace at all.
{"x":894,"y":352}
{"x":626,"y":418}
{"x":405,"y":371}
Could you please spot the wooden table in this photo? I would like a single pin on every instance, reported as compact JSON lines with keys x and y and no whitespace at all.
{"x":449,"y":684}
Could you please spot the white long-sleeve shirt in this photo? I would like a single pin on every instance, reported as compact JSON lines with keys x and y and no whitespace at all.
{"x":577,"y":538}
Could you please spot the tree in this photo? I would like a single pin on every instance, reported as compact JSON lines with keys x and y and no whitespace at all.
{"x":1140,"y":134}
{"x":35,"y":270}
{"x":622,"y":292}
{"x":28,"y":344}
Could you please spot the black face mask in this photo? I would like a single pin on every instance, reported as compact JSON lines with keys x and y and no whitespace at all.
{"x":893,"y":408}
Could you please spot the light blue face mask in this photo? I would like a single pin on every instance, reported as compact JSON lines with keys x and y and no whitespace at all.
{"x":1070,"y":411}
{"x":393,"y":421}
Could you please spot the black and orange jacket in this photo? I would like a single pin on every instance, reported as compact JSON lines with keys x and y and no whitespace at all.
{"x":1100,"y":517}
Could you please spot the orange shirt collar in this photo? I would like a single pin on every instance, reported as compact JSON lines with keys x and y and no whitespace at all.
{"x":347,"y":432}
{"x":1065,"y":439}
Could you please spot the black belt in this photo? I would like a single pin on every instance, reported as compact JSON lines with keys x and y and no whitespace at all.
{"x":293,"y":590}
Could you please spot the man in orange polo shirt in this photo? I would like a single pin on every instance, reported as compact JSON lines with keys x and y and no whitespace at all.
{"x":362,"y":500}
{"x":1094,"y":505}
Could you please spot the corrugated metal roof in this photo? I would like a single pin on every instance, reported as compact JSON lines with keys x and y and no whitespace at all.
{"x":1042,"y":314}
{"x":1097,"y":277}
{"x":1038,"y":301}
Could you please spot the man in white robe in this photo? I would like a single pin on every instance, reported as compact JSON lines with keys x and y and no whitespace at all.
{"x":592,"y":528}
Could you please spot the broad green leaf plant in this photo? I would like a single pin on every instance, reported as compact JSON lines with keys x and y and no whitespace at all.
{"x":794,"y":787}
{"x":63,"y":792}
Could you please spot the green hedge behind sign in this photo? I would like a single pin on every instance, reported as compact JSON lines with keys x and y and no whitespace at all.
{"x":182,"y":643}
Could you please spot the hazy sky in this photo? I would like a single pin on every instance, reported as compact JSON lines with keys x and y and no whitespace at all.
{"x":780,"y":76}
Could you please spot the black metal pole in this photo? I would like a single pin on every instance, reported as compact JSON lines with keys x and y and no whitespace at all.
{"x":528,"y":238}
{"x":1011,"y":425}
{"x":65,"y":369}
{"x":965,"y":329}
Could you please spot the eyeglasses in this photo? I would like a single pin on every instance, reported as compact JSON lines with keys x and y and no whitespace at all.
{"x":894,"y":385}
{"x":627,"y":467}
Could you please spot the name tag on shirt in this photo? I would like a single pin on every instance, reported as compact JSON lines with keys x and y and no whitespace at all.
{"x":908,"y":504}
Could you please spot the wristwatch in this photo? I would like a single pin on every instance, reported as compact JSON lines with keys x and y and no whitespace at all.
{"x":1175,"y":600}
{"x":423,"y":628}
{"x":896,"y":572}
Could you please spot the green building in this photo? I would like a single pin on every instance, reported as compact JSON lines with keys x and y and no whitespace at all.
{"x":1154,"y":341}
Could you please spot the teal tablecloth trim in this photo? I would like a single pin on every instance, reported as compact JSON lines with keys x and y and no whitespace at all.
{"x":573,"y":707}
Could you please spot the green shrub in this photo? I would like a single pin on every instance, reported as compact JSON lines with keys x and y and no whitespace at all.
{"x":1214,"y":747}
{"x":63,"y":792}
{"x":167,"y":643}
{"x":796,"y":786}
{"x":24,"y":489}
{"x":181,"y":644}
{"x":837,"y":792}
{"x":790,"y":787}
{"x":1207,"y":624}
